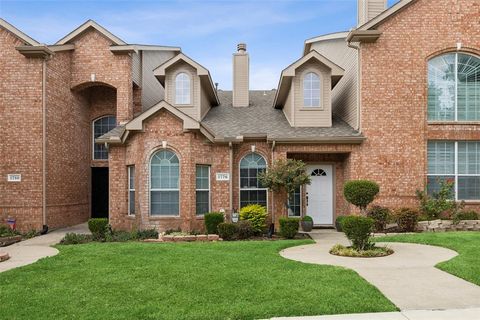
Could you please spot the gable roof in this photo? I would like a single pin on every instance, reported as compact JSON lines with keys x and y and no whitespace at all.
{"x":289,"y":72}
{"x":84,"y":27}
{"x":19,"y":34}
{"x":325,"y":37}
{"x":202,"y":72}
{"x":396,"y":8}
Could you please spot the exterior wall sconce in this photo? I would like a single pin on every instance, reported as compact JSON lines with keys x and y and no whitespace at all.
{"x":253,"y":148}
{"x":164,"y":144}
{"x":459,"y":46}
{"x":92,"y":77}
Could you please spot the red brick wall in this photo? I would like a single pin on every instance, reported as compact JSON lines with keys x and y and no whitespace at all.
{"x":394,"y":94}
{"x":21,"y":127}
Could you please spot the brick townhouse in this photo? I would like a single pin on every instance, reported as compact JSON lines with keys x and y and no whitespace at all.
{"x":93,"y":126}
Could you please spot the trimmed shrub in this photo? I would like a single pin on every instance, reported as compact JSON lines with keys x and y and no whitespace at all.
{"x":307,"y":218}
{"x":146,"y":234}
{"x":360,"y":193}
{"x":98,"y":227}
{"x":76,"y":238}
{"x":244,"y":229}
{"x":212,"y":220}
{"x":257,"y":215}
{"x":289,"y":227}
{"x":407,"y":219}
{"x":227,"y":231}
{"x":358,"y":230}
{"x":380,"y":215}
{"x":466,"y":215}
{"x":338,"y":223}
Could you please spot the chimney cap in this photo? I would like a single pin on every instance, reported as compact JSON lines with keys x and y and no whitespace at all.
{"x":241,"y":47}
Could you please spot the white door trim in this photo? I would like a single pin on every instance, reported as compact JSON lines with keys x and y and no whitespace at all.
{"x":310,"y":168}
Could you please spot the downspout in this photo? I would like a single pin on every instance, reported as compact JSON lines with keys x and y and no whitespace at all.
{"x":44,"y":145}
{"x":273,"y":199}
{"x":356,"y":47}
{"x":230,"y":145}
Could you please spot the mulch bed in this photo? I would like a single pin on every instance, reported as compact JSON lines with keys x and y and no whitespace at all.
{"x":6,"y":241}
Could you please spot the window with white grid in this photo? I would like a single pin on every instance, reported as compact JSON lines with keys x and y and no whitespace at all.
{"x":182,"y":88}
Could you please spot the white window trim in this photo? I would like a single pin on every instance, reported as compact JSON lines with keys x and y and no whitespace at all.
{"x":150,"y":189}
{"x":130,"y":188}
{"x":301,"y":205}
{"x":190,"y":80}
{"x":209,"y":187}
{"x":320,"y":104}
{"x":240,"y":189}
{"x":455,"y":175}
{"x":93,"y":136}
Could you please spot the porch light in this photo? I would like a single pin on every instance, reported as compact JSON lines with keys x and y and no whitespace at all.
{"x":253,"y":148}
{"x":164,"y":144}
{"x":92,"y":77}
{"x":459,"y":46}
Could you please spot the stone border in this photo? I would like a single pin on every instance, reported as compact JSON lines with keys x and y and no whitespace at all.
{"x":448,"y":225}
{"x":187,"y":238}
{"x":4,"y":256}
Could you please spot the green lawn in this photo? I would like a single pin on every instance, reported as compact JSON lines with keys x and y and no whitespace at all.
{"x":466,"y":265}
{"x":224,"y":280}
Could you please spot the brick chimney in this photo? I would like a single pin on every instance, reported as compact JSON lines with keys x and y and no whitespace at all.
{"x":241,"y":67}
{"x":369,"y":9}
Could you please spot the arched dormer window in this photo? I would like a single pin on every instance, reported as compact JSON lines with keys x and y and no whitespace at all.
{"x":311,"y":90}
{"x":100,"y":127}
{"x":182,"y":88}
{"x":454,"y":87}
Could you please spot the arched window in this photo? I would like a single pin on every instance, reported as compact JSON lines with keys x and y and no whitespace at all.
{"x":319,"y":173}
{"x":311,"y":90}
{"x":454,"y":88}
{"x":182,"y":88}
{"x":100,"y":127}
{"x":251,"y":190}
{"x":164,"y":184}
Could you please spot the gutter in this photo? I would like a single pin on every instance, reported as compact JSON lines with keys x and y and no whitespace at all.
{"x":359,"y":80}
{"x":230,"y":146}
{"x":322,"y":140}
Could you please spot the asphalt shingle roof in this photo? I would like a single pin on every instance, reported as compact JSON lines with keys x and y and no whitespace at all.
{"x":260,"y":118}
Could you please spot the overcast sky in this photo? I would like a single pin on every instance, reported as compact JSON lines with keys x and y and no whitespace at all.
{"x":207,"y":31}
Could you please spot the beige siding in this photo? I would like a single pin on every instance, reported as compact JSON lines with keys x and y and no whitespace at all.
{"x":344,"y":95}
{"x":137,"y":69}
{"x":369,"y":9}
{"x":152,"y":90}
{"x":288,"y":107}
{"x":204,"y":103}
{"x":310,"y":116}
{"x":240,"y":80}
{"x":193,"y":109}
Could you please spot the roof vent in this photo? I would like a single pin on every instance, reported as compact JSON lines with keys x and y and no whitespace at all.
{"x":242,"y":47}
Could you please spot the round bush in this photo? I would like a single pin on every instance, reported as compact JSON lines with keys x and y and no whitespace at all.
{"x":380,"y":215}
{"x":338,"y":223}
{"x":358,"y":230}
{"x":227,"y":231}
{"x":289,"y":227}
{"x":307,"y":218}
{"x":212,"y":220}
{"x":360,"y":193}
{"x":406,"y":219}
{"x":98,"y":227}
{"x":244,"y":230}
{"x":257,"y":215}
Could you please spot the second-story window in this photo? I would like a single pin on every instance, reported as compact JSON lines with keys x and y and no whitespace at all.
{"x":454,"y":88}
{"x":182,"y":88}
{"x":311,"y":90}
{"x":100,"y":127}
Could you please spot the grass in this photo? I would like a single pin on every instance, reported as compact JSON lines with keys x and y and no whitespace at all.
{"x":466,"y":265}
{"x":224,"y":280}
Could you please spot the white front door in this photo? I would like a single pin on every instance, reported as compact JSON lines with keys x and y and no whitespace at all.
{"x":320,"y":194}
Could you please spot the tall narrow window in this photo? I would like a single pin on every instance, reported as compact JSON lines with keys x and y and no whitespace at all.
{"x":131,"y":190}
{"x":164,"y":184}
{"x":458,"y":162}
{"x":182,"y":88}
{"x":202,"y":189}
{"x":454,"y":88}
{"x":100,"y":127}
{"x":294,"y":203}
{"x":311,"y":90}
{"x":251,"y":190}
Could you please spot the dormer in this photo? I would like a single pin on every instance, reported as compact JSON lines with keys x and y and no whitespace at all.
{"x":305,"y":91}
{"x":188,"y":86}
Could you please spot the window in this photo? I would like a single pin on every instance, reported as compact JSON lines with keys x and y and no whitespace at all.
{"x":458,"y":162}
{"x":164,"y":184}
{"x":203,"y":189}
{"x":100,"y":127}
{"x":182,"y":88}
{"x":311,"y":90}
{"x":251,"y":190}
{"x":318,"y":173}
{"x":294,"y":203}
{"x":131,"y":190}
{"x":454,"y":88}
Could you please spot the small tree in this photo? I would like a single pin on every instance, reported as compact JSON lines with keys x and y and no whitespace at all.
{"x":442,"y":202}
{"x":285,"y":175}
{"x":360,"y":193}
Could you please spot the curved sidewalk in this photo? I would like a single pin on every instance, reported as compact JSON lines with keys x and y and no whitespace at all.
{"x":31,"y":250}
{"x":408,"y":277}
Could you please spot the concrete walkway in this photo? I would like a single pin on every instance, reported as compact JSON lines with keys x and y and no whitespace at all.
{"x":408,"y":277}
{"x":31,"y":250}
{"x":451,"y":314}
